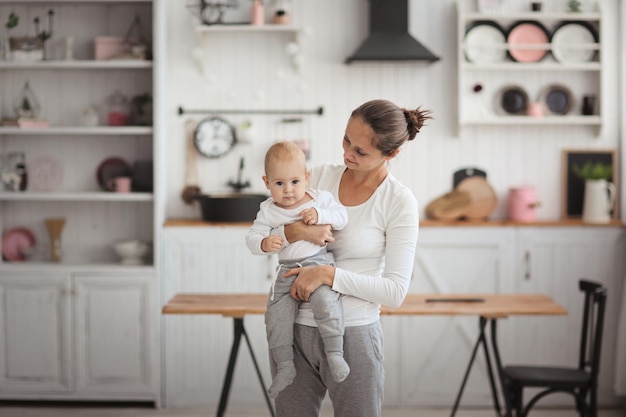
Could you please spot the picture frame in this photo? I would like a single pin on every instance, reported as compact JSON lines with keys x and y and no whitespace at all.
{"x":573,"y":187}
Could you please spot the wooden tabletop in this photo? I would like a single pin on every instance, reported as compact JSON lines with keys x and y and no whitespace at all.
{"x":486,"y":305}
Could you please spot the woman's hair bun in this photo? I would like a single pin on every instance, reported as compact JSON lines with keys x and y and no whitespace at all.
{"x":415,"y":119}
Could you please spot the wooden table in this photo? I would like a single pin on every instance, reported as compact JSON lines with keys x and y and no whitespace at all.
{"x":487,"y":307}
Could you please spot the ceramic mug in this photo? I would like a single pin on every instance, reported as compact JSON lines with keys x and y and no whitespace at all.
{"x":522,"y":204}
{"x":535,"y":110}
{"x":119,"y":184}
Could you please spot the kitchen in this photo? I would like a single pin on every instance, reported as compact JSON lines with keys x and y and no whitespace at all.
{"x":242,"y":70}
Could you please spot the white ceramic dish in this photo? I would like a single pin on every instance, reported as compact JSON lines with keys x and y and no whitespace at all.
{"x":131,"y":252}
{"x":571,"y":43}
{"x":485,"y":43}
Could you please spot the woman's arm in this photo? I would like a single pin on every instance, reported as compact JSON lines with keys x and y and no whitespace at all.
{"x":319,"y":234}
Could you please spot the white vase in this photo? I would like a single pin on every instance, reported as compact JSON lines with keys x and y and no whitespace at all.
{"x":599,"y":200}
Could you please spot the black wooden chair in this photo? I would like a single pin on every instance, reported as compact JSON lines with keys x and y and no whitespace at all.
{"x":581,"y":382}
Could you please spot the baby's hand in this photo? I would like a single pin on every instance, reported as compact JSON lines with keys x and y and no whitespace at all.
{"x":309,"y":216}
{"x":271,"y":244}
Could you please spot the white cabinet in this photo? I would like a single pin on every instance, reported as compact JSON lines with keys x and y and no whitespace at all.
{"x":551,"y":261}
{"x":486,"y":70}
{"x":86,"y":327}
{"x":35,"y":335}
{"x":78,"y":336}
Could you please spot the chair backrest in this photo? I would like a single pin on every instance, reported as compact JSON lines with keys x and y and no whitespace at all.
{"x":593,"y":323}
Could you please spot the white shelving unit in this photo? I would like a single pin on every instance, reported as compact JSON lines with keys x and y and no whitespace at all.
{"x":97,"y":331}
{"x":204,"y":32}
{"x":584,"y":78}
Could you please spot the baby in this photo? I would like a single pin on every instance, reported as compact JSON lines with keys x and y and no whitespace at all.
{"x":286,"y":177}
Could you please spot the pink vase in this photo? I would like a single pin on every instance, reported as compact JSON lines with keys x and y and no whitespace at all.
{"x":257,"y":14}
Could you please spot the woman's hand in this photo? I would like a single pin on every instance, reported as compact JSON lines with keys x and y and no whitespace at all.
{"x":309,"y":279}
{"x":320,"y":234}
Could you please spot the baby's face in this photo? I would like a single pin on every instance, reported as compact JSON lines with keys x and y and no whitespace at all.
{"x":287,"y":182}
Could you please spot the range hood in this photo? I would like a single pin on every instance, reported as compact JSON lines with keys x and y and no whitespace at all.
{"x":389,"y":38}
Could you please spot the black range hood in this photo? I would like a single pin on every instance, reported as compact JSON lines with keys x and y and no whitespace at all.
{"x":389,"y":38}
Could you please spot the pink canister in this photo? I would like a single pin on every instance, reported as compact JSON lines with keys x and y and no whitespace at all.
{"x":522,"y":203}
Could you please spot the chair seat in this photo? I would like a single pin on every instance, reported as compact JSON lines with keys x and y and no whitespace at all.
{"x":540,"y":376}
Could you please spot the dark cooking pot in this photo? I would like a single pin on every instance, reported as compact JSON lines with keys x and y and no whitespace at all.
{"x":230,"y":208}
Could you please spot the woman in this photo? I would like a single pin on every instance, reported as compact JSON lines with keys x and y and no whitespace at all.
{"x":374,"y":260}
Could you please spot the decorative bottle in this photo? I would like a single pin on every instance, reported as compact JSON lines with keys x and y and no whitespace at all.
{"x":258,"y":13}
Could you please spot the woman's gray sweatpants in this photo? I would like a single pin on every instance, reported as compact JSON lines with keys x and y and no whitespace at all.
{"x":360,"y":395}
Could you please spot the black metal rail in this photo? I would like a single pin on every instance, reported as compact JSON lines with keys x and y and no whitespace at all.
{"x":319,"y":111}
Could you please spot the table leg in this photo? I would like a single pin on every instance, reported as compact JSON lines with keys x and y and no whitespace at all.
{"x":481,"y":340}
{"x":496,"y":355}
{"x":258,"y":372}
{"x":492,"y":382}
{"x":239,"y":330}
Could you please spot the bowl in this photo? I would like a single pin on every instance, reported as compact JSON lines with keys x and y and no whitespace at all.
{"x":131,"y":252}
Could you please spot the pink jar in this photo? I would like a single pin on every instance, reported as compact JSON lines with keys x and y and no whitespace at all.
{"x":522,"y":204}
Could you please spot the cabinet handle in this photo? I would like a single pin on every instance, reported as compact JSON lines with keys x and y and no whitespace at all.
{"x":527,"y":265}
{"x":69,"y":291}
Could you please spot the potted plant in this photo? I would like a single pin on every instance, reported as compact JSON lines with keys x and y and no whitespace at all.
{"x":5,"y":47}
{"x":599,"y":195}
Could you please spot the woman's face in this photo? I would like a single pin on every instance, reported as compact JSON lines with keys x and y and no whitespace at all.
{"x":359,"y":152}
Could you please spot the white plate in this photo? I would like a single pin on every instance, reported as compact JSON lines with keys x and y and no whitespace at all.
{"x":485,"y":43}
{"x":564,"y":38}
{"x":45,"y":173}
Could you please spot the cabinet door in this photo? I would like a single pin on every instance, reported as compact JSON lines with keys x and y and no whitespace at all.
{"x":34,"y":334}
{"x":425,"y":357}
{"x":552,"y":260}
{"x":115,"y":344}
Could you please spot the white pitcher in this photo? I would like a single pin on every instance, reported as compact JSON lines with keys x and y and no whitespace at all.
{"x":599,"y":201}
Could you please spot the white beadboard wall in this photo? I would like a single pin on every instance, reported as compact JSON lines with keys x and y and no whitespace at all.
{"x":252,"y":71}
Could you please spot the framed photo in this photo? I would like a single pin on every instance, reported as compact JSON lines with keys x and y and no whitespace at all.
{"x":573,"y":187}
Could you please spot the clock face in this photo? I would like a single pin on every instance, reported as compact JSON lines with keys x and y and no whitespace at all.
{"x":214,"y":137}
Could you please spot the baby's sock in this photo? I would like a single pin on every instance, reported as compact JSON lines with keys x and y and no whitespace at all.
{"x":338,"y":366}
{"x":285,"y":373}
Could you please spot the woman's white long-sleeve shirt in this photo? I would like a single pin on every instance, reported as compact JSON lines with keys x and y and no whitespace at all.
{"x":374,"y":253}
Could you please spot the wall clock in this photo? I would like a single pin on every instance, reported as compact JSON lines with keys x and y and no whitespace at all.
{"x":214,"y":137}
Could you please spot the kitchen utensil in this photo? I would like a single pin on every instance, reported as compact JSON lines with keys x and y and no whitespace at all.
{"x":558,"y":99}
{"x":131,"y":252}
{"x":485,"y":42}
{"x":527,"y":34}
{"x":483,"y":198}
{"x":567,"y":39}
{"x":119,"y":184}
{"x":599,"y":201}
{"x":191,"y":188}
{"x":14,"y":241}
{"x":511,"y":100}
{"x":55,"y":228}
{"x":522,"y":203}
{"x":110,"y":168}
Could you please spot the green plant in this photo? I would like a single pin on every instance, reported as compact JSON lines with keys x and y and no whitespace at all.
{"x":12,"y":21}
{"x":574,"y":5}
{"x":593,"y":171}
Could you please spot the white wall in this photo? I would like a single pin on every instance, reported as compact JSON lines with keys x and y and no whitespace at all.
{"x":248,"y":71}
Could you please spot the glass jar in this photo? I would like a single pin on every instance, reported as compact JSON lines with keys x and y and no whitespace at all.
{"x":118,"y":109}
{"x":13,"y":171}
